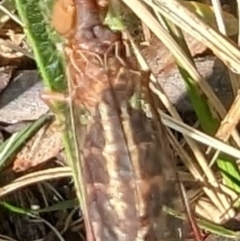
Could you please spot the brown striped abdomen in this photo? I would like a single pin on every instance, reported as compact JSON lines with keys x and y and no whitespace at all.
{"x":128,"y":168}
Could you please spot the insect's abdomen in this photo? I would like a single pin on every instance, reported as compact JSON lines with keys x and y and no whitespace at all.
{"x":130,"y":174}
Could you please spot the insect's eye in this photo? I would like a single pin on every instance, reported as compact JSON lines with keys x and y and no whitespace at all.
{"x":63,"y":16}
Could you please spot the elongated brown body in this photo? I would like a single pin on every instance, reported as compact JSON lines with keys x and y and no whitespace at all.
{"x":127,"y":164}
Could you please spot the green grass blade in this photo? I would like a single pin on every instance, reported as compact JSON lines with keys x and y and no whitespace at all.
{"x":38,"y":33}
{"x":15,"y":209}
{"x":53,"y":208}
{"x":16,"y":141}
{"x":211,"y":227}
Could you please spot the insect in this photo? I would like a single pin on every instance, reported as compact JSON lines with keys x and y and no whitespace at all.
{"x":127,"y":165}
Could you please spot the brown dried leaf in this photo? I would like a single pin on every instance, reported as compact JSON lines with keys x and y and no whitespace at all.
{"x":206,"y":12}
{"x":15,"y":127}
{"x":196,"y":48}
{"x":44,"y":145}
{"x":5,"y":77}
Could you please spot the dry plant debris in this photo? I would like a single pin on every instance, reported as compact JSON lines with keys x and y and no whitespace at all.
{"x":43,"y":146}
{"x":13,"y":41}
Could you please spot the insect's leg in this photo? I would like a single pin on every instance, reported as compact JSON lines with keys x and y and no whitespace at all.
{"x":113,"y":47}
{"x":118,"y":55}
{"x":49,"y":97}
{"x":52,"y":99}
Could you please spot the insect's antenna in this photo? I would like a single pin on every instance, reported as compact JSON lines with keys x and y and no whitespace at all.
{"x":190,"y":215}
